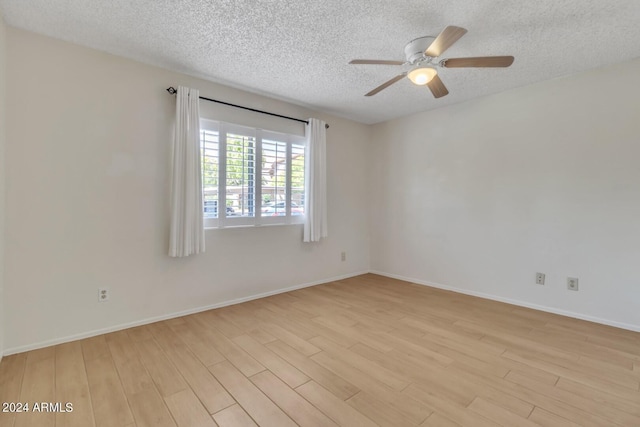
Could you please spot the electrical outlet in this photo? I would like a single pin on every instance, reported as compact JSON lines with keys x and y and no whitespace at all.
{"x":343,"y":256}
{"x":539,"y":278}
{"x":103,"y":294}
{"x":572,"y":283}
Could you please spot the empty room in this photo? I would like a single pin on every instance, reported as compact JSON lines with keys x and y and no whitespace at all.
{"x":339,"y":213}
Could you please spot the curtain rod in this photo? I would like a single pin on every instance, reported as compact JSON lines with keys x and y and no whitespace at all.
{"x":173,"y":91}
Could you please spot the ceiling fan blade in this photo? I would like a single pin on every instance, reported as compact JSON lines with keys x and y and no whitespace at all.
{"x":445,"y":40}
{"x":375,"y":62}
{"x":438,"y":89}
{"x":481,"y":61}
{"x":386,"y":84}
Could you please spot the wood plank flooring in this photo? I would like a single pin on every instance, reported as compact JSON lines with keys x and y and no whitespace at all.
{"x":365,"y":351}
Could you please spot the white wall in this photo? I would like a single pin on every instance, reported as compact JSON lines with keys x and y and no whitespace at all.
{"x":87,"y":198}
{"x":479,"y":196}
{"x":2,"y":176}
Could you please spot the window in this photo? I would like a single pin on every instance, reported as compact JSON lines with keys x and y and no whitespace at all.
{"x":257,"y":175}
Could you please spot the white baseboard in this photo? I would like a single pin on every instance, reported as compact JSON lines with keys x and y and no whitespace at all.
{"x":148,"y":320}
{"x":88,"y":334}
{"x":621,"y":325}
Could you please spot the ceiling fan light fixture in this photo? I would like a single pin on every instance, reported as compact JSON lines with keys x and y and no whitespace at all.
{"x":422,"y":76}
{"x":422,"y":55}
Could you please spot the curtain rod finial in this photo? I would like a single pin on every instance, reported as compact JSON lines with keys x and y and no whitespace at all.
{"x":172,"y":90}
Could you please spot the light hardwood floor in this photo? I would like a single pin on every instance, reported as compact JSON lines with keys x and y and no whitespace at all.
{"x":359,"y":352}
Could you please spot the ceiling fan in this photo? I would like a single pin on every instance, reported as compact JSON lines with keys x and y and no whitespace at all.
{"x":421,"y":56}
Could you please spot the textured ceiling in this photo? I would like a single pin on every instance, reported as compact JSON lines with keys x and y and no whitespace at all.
{"x":299,"y":50}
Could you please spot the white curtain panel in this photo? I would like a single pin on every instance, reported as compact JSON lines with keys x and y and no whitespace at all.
{"x":187,"y":226}
{"x":315,"y":181}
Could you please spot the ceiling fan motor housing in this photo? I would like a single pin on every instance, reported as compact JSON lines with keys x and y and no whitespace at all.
{"x":414,"y":50}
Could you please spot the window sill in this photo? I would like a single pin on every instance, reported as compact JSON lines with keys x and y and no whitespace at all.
{"x":226,"y":227}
